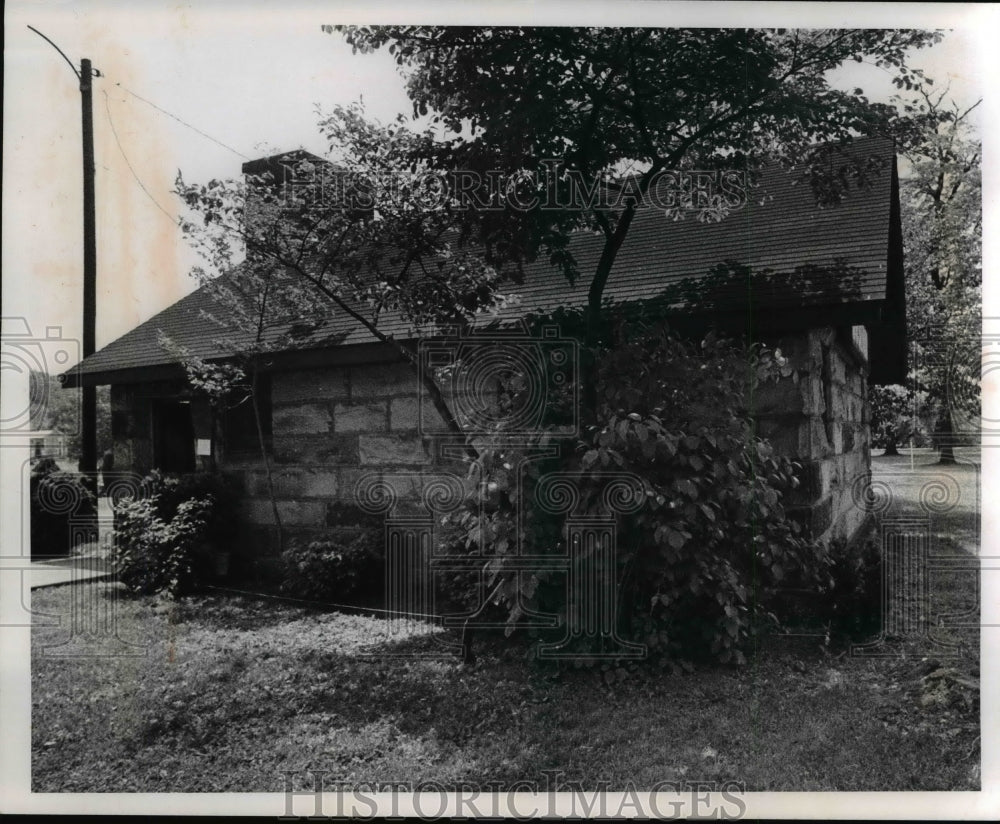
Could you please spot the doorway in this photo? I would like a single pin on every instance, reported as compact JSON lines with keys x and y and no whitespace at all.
{"x":173,"y":437}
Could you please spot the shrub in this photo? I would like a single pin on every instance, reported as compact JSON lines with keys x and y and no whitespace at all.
{"x":346,"y":566}
{"x":163,"y":542}
{"x":457,"y":589}
{"x":712,"y":537}
{"x":172,"y":490}
{"x":57,"y":498}
{"x":851,"y":603}
{"x":156,"y":556}
{"x":842,"y":601}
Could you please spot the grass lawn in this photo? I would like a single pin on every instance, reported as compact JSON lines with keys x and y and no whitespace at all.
{"x":233,"y":690}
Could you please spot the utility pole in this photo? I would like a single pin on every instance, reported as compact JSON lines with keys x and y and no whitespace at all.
{"x":88,"y":411}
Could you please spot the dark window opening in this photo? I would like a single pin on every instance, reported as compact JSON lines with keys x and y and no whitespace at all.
{"x":173,"y":437}
{"x":239,"y":424}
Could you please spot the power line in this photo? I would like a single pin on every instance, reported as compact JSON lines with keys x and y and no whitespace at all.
{"x":128,"y":163}
{"x":61,"y":52}
{"x":182,"y":121}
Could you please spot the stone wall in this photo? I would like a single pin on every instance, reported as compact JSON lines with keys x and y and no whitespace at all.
{"x":333,"y":428}
{"x":819,"y":417}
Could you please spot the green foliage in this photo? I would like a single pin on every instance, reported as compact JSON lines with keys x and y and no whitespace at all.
{"x":712,"y":534}
{"x":172,"y":490}
{"x":57,"y":498}
{"x":852,"y":603}
{"x":53,"y":407}
{"x":163,"y":542}
{"x":892,"y":414}
{"x":347,"y":566}
{"x":606,"y":101}
{"x":842,"y":602}
{"x":942,"y":234}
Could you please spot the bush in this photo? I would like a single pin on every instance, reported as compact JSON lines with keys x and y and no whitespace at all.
{"x":173,"y":490}
{"x":712,"y":536}
{"x":851,"y":604}
{"x":347,"y":566}
{"x":457,"y":589}
{"x":843,"y":602}
{"x":164,"y":542}
{"x":57,"y":498}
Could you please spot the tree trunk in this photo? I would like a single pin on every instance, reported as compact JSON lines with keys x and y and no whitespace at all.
{"x":267,"y":461}
{"x":890,"y":446}
{"x":945,"y":433}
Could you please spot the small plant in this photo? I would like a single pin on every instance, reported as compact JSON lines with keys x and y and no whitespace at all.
{"x":57,"y":498}
{"x":156,"y":556}
{"x":163,"y":542}
{"x":852,"y":603}
{"x":348,"y":565}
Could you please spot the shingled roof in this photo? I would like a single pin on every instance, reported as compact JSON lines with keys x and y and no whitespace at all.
{"x":803,"y":265}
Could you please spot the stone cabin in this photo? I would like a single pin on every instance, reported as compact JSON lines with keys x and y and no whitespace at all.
{"x":825,"y":284}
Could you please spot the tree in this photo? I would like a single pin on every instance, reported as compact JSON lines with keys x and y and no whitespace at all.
{"x":891,"y":416}
{"x":567,"y":105}
{"x":55,"y":407}
{"x":605,"y":113}
{"x":942,"y":233}
{"x":350,"y":235}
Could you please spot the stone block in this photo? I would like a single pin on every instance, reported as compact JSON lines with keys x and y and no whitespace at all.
{"x":293,"y":484}
{"x":854,"y":381}
{"x":257,"y":511}
{"x":347,"y":513}
{"x":301,"y":419}
{"x":320,"y":484}
{"x":293,"y":513}
{"x":325,"y":449}
{"x":831,"y":476}
{"x":854,"y":465}
{"x":817,"y":340}
{"x":361,"y":417}
{"x":287,"y":483}
{"x":309,"y":385}
{"x":837,"y":435}
{"x":382,"y":380}
{"x":408,"y":414}
{"x":838,"y":367}
{"x":838,"y":408}
{"x":813,"y":396}
{"x":390,"y":450}
{"x":848,"y":519}
{"x":847,"y":435}
{"x":302,"y":513}
{"x":859,"y":336}
{"x":812,"y":439}
{"x":405,"y":482}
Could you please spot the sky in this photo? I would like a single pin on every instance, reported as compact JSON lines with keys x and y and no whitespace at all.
{"x":246,"y":80}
